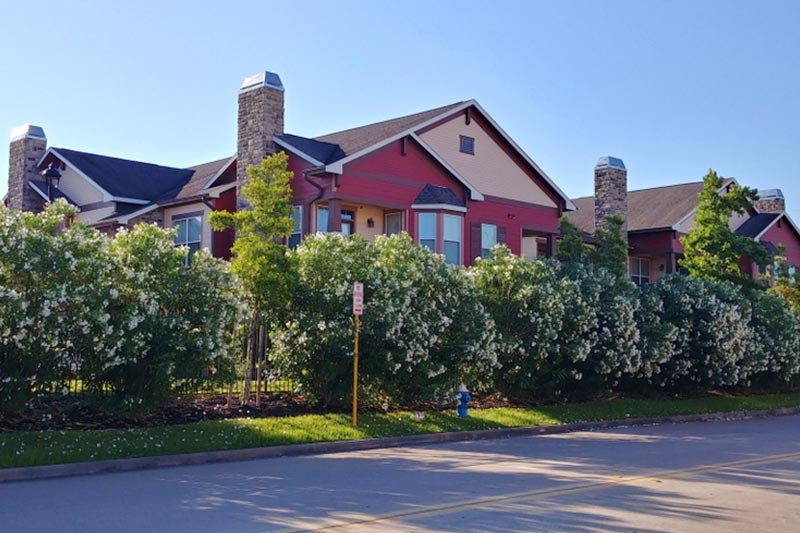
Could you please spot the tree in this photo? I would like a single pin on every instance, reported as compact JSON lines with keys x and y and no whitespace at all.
{"x":785,"y":283}
{"x":712,"y":250}
{"x":611,"y":251}
{"x":571,"y":251}
{"x":259,"y":252}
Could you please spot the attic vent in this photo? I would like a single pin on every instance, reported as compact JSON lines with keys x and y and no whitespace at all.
{"x":467,"y":145}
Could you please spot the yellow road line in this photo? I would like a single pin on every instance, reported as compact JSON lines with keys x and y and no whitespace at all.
{"x":478,"y":503}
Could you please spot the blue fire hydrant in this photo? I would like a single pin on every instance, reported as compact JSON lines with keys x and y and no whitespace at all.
{"x":463,"y":400}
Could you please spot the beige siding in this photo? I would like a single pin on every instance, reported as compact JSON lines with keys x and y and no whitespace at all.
{"x":205,"y":236}
{"x":363,"y":214}
{"x":78,"y":189}
{"x":93,"y":215}
{"x":490,"y":169}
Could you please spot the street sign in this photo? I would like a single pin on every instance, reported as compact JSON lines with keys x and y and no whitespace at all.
{"x":358,"y":298}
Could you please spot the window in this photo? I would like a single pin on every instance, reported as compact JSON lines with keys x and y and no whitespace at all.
{"x":394,"y":223}
{"x":322,"y":218}
{"x":640,"y":271}
{"x":188,"y":234}
{"x":297,"y":231}
{"x":467,"y":145}
{"x":348,"y":222}
{"x":452,"y":239}
{"x":488,"y":239}
{"x":427,"y":230}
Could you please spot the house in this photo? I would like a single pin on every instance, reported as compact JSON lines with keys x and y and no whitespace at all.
{"x":657,"y":219}
{"x":450,"y":177}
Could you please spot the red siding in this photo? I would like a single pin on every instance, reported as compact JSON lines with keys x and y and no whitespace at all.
{"x":388,"y":178}
{"x":786,"y":236}
{"x":223,"y":240}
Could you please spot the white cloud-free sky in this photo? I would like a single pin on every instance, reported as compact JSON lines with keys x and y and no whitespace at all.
{"x":672,"y":88}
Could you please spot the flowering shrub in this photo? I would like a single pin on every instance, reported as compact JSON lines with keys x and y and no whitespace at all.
{"x":542,"y":323}
{"x":774,"y":354}
{"x":122,"y":314}
{"x":714,"y":332}
{"x":422,"y":330}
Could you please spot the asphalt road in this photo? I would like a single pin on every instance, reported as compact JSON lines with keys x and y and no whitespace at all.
{"x":717,"y":476}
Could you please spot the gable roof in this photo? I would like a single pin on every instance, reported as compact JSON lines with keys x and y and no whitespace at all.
{"x":123,"y":178}
{"x":356,"y":139}
{"x":321,"y":152}
{"x":648,"y":209}
{"x":437,"y":195}
{"x":201,"y":178}
{"x":754,"y":226}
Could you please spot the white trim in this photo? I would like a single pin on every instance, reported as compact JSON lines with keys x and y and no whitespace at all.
{"x":283,"y":144}
{"x":784,"y":215}
{"x":215,"y":192}
{"x":691,"y":213}
{"x":106,"y":195}
{"x":569,"y":206}
{"x":443,"y":207}
{"x":126,"y":200}
{"x":474,"y":194}
{"x":219,"y":172}
{"x":39,"y":192}
{"x":127,"y":218}
{"x":338,"y":166}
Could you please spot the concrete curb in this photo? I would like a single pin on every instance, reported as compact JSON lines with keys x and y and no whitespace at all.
{"x":141,"y":463}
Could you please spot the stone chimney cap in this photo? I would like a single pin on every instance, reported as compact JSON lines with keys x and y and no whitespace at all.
{"x":769,"y":194}
{"x":27,"y":131}
{"x":610,"y":162}
{"x":262,"y":79}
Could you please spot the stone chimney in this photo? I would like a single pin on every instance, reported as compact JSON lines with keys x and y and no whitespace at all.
{"x":610,"y":191}
{"x":28,"y":145}
{"x":260,"y":118}
{"x":771,"y":201}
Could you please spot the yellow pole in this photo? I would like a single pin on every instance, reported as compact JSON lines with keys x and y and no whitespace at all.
{"x":355,"y":378}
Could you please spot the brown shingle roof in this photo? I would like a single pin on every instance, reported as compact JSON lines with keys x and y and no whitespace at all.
{"x":648,"y":209}
{"x":356,"y":139}
{"x":202,"y":173}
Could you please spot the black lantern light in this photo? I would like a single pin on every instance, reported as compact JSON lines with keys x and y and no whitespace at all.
{"x":51,"y":176}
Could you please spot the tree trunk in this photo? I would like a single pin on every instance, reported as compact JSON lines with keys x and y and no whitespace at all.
{"x":251,"y":348}
{"x":230,"y":396}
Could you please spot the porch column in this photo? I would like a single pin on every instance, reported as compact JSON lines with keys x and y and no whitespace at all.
{"x":670,"y":261}
{"x":551,"y":245}
{"x":334,"y":216}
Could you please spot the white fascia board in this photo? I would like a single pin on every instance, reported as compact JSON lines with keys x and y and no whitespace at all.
{"x":474,"y":194}
{"x":443,"y":207}
{"x":784,"y":216}
{"x":219,"y":172}
{"x":289,"y":148}
{"x":106,"y":195}
{"x":127,"y":218}
{"x":215,"y":192}
{"x":38,"y":191}
{"x":337,"y":167}
{"x":568,"y":203}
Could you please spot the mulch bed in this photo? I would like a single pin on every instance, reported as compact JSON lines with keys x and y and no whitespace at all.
{"x":63,"y":415}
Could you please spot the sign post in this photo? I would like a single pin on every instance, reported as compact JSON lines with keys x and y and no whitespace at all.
{"x":358,"y":309}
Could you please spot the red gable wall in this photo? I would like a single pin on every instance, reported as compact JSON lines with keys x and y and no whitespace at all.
{"x":782,"y":233}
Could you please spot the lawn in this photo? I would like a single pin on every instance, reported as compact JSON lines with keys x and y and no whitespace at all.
{"x":52,"y":447}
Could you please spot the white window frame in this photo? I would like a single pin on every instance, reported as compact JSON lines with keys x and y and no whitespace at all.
{"x":176,"y":222}
{"x":460,"y":242}
{"x":399,"y":215}
{"x":639,"y":279}
{"x":486,"y":250}
{"x":435,"y":239}
{"x":297,"y":215}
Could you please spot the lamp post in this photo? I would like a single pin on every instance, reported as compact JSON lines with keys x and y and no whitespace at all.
{"x":51,"y":176}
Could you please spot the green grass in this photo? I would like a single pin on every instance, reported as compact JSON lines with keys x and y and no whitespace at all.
{"x":52,"y":447}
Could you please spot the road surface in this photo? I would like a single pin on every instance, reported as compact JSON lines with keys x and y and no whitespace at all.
{"x":717,"y":476}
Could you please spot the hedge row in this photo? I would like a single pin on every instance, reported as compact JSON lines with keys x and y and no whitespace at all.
{"x":529,"y":330}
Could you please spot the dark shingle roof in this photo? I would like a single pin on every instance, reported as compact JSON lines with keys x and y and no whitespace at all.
{"x":129,"y":179}
{"x":434,"y":194}
{"x":648,"y":209}
{"x":754,"y":225}
{"x":41,"y":187}
{"x":323,"y":152}
{"x":356,"y":139}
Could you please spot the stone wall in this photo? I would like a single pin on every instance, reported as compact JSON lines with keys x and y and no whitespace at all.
{"x":771,"y":205}
{"x":261,"y":110}
{"x":610,"y":191}
{"x":24,"y":153}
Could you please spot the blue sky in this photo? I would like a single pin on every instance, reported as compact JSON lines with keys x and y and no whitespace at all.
{"x":671,"y":88}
